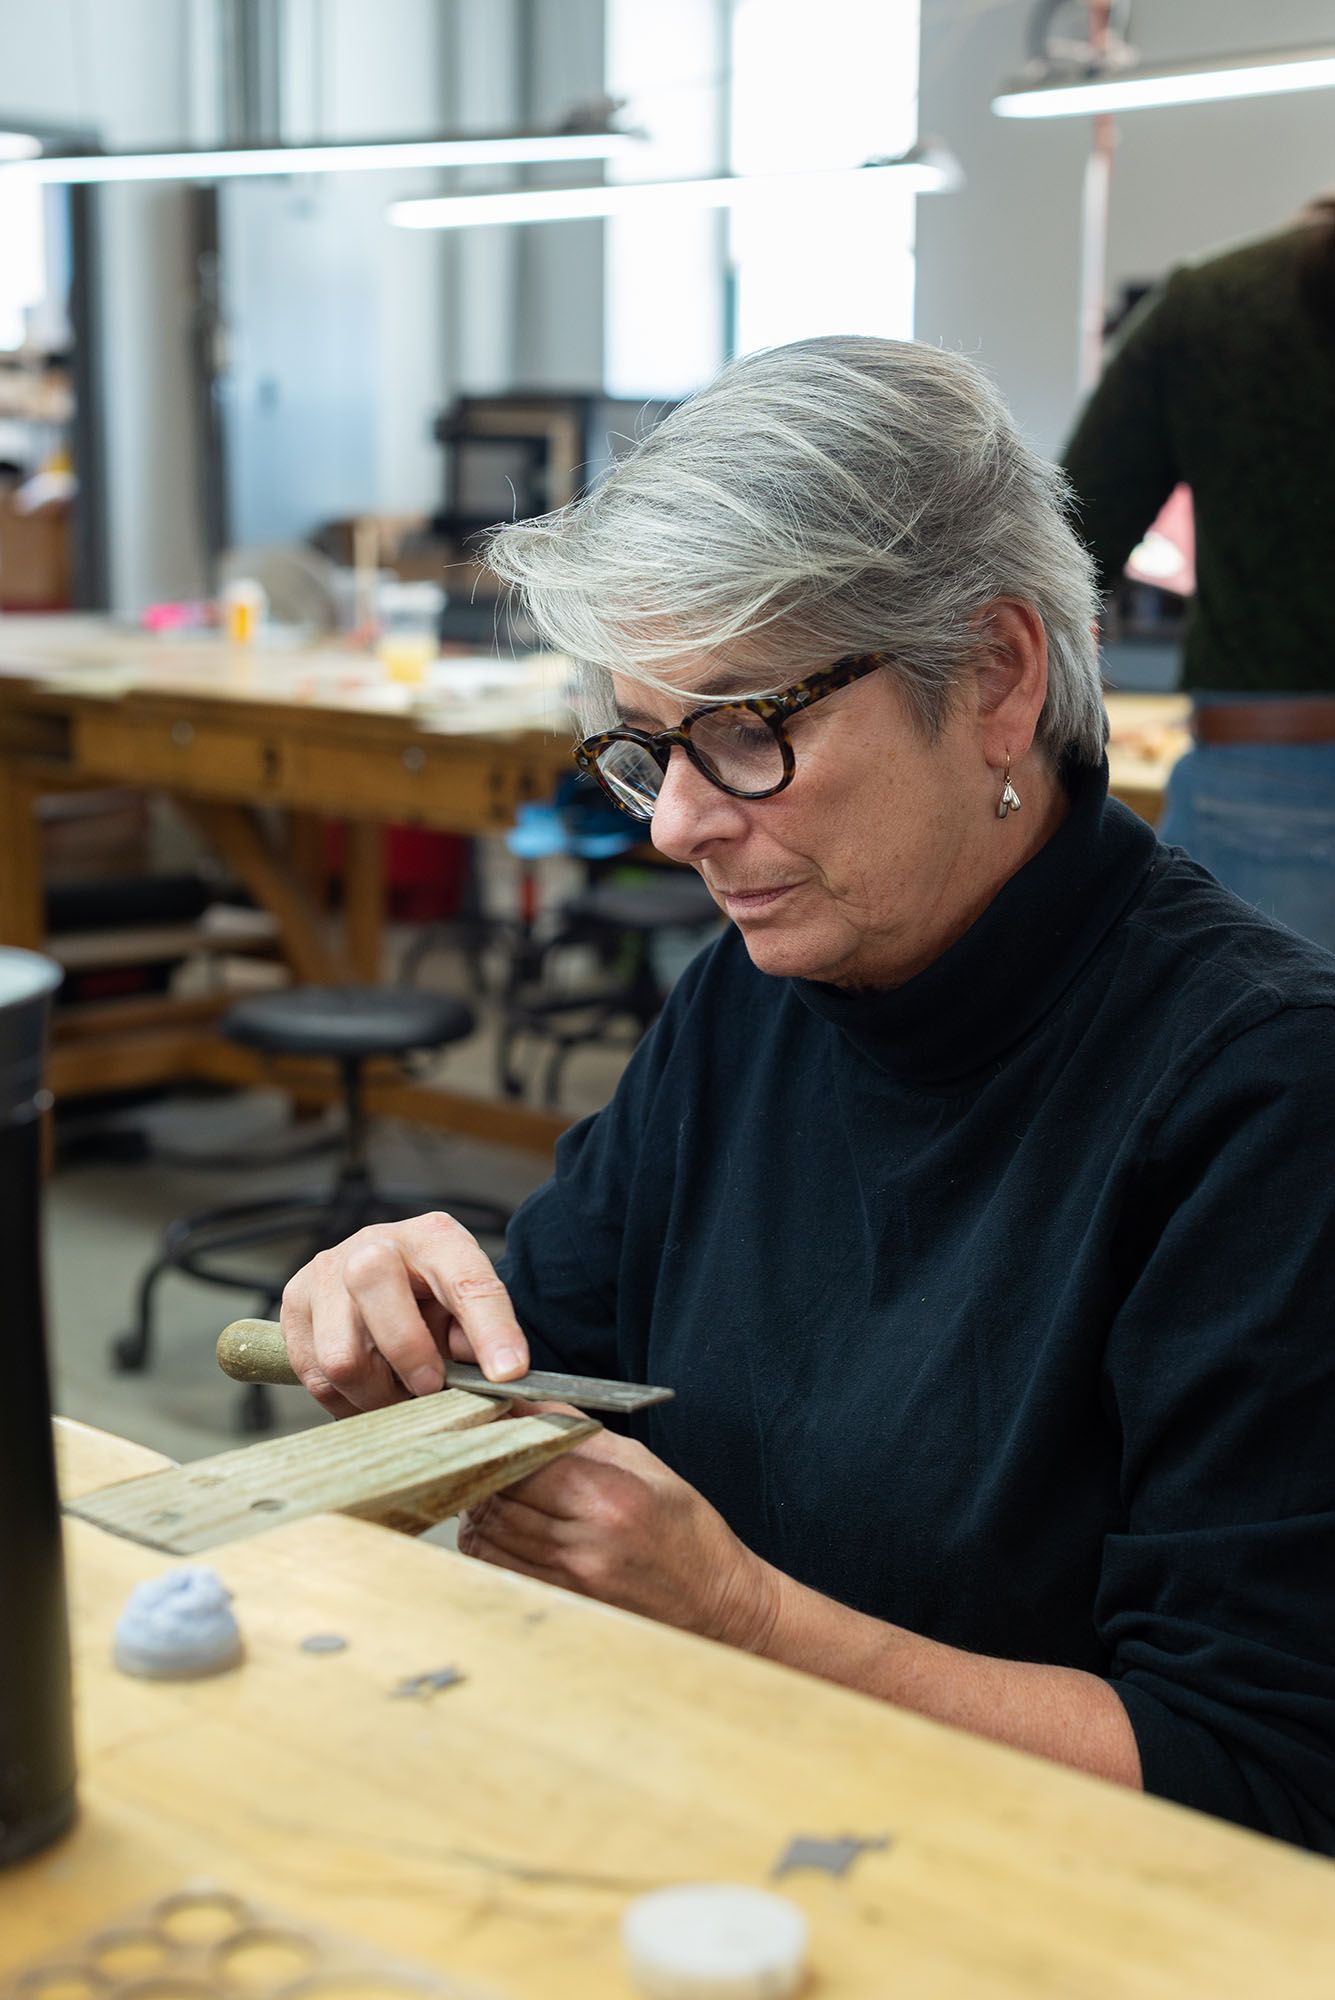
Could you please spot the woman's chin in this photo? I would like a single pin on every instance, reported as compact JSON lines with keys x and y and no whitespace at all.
{"x":790,"y":954}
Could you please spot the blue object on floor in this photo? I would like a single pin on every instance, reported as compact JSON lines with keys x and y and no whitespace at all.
{"x":537,"y":832}
{"x":575,"y":821}
{"x":601,"y":845}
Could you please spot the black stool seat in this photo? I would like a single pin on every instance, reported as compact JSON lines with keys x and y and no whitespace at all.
{"x":348,"y":1022}
{"x":346,"y":1025}
{"x":672,"y":899}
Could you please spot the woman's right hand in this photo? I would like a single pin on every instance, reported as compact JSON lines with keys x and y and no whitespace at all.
{"x":368,"y":1322}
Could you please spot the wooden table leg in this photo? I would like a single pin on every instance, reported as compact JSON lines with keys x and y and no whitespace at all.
{"x":306,"y":853}
{"x":235,"y":834}
{"x":22,"y":918}
{"x":364,"y":898}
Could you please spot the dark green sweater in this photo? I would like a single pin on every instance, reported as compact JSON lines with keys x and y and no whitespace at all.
{"x":1223,"y":379}
{"x":1002,"y":1306}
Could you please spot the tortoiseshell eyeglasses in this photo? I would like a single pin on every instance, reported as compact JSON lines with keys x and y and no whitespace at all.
{"x":740,"y":746}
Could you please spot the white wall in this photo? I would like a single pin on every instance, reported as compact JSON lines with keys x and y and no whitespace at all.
{"x":523,"y":305}
{"x":664,"y":301}
{"x":382,"y":71}
{"x":145,"y":72}
{"x":337,"y":335}
{"x":1206,"y":175}
{"x":429,"y":316}
{"x":481,"y":270}
{"x":336,"y":382}
{"x":560,"y":332}
{"x":998,"y":263}
{"x":125,"y":76}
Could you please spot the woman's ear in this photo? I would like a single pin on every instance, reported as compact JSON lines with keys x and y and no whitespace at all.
{"x":1012,"y":677}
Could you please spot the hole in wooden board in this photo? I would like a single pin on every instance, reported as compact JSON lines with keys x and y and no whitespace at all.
{"x":267,"y":1506}
{"x":129,"y":1954}
{"x":201,"y":1916}
{"x":258,"y":1959}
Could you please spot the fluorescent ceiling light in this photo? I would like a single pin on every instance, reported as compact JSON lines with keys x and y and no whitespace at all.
{"x":228,"y":163}
{"x":18,"y":146}
{"x":1065,"y":93}
{"x":924,"y":170}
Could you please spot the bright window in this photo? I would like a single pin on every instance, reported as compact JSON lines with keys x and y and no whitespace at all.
{"x":664,"y":317}
{"x":794,"y":85}
{"x":822,"y":85}
{"x":23,"y":264}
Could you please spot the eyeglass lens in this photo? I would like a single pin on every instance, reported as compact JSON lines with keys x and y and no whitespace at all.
{"x":732,"y":743}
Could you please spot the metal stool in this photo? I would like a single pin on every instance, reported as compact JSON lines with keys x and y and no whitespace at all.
{"x":350,"y":1026}
{"x":620,"y":920}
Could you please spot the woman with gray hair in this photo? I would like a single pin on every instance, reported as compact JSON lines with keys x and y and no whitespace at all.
{"x":970,"y":1190}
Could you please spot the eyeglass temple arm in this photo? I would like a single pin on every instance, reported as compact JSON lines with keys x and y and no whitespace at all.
{"x":839,"y":676}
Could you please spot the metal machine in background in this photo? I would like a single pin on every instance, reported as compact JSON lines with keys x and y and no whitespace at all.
{"x":509,"y":457}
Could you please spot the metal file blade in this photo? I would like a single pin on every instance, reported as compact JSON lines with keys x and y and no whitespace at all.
{"x":253,"y":1350}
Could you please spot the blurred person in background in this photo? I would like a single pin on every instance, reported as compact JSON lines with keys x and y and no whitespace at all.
{"x":1224,"y":379}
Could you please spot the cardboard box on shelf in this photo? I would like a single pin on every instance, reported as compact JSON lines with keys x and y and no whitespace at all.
{"x":36,"y":567}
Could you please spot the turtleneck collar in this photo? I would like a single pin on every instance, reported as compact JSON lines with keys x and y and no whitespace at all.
{"x":966,"y":1010}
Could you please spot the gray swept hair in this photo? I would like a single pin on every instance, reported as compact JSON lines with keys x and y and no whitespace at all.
{"x":841,"y":495}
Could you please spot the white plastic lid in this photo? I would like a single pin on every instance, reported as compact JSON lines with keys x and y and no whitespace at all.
{"x":714,"y":1941}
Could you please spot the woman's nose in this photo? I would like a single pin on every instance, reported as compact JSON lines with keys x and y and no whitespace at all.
{"x":690,"y":813}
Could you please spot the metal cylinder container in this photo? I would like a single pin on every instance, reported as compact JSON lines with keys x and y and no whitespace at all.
{"x":36,"y":1727}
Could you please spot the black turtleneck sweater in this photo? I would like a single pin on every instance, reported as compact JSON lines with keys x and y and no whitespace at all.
{"x":1002,"y":1305}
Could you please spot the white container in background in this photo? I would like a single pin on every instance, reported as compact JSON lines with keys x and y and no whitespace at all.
{"x":244,"y":608}
{"x":409,"y":618}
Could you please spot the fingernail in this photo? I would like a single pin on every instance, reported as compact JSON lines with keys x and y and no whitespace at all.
{"x":507,"y":1361}
{"x":425,"y":1381}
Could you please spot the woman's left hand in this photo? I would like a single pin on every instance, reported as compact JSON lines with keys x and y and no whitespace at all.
{"x":611,"y":1521}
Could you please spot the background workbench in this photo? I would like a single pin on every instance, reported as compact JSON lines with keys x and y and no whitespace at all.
{"x":226,"y":732}
{"x":498,"y":1829}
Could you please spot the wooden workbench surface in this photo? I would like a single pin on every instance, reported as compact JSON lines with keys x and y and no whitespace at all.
{"x":77,"y":661}
{"x":497,"y":1829}
{"x":92,"y":658}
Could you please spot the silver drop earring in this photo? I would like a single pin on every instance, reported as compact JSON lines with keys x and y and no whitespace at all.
{"x":1009,"y":802}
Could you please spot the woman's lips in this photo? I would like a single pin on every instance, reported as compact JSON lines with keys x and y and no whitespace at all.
{"x":747,"y":902}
